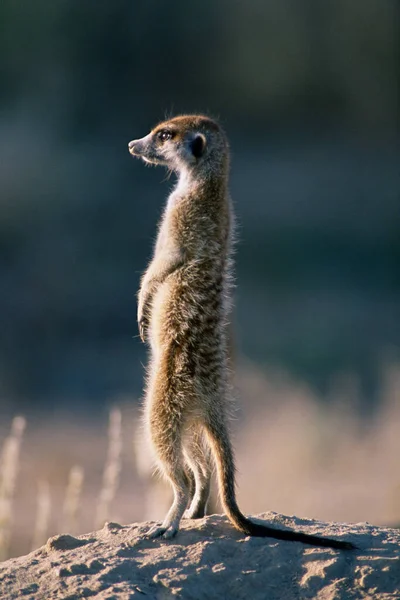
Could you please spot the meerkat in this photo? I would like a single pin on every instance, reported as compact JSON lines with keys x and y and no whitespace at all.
{"x":183,"y":312}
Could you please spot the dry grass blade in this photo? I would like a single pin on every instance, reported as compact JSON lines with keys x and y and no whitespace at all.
{"x":72,"y":499}
{"x":43,"y":511}
{"x":8,"y":477}
{"x":112,"y":468}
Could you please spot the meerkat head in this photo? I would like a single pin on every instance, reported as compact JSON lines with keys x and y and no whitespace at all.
{"x":185,"y":143}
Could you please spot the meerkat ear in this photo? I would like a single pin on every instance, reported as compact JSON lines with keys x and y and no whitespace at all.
{"x":198,"y":145}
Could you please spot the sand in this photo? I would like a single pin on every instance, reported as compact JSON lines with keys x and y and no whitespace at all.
{"x":208,"y":560}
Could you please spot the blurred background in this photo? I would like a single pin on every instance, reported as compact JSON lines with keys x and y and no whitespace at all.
{"x":308,"y":93}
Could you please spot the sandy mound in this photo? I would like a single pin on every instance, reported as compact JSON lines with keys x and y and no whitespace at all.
{"x":207,"y":560}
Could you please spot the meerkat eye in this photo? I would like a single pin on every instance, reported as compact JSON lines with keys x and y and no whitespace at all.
{"x":164,"y":135}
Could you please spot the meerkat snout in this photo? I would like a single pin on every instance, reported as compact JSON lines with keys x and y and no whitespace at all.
{"x":139,"y":147}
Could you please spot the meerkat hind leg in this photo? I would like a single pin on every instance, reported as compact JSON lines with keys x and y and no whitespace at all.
{"x":198,"y":460}
{"x":170,"y":525}
{"x":167,"y":444}
{"x":191,"y":483}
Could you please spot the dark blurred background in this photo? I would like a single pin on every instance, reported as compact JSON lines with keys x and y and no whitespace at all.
{"x":309,"y":95}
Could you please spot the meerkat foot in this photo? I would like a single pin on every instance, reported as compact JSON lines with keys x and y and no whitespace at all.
{"x":196,"y":513}
{"x":160,"y":531}
{"x":198,"y":505}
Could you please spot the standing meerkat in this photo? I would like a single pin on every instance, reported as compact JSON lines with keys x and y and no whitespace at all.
{"x":183,"y":311}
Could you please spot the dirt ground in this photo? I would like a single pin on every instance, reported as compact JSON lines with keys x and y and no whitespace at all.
{"x":208,"y":560}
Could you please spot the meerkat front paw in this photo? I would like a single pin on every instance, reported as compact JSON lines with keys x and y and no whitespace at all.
{"x":143,"y":325}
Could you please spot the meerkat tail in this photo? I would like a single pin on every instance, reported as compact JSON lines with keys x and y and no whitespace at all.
{"x":223,"y":455}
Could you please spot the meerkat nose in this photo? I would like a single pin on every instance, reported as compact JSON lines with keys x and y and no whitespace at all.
{"x":131,"y":144}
